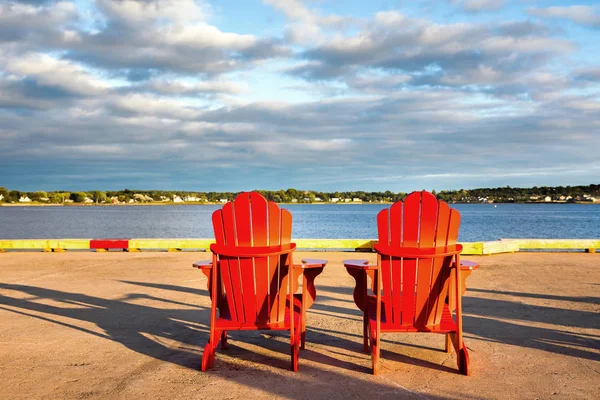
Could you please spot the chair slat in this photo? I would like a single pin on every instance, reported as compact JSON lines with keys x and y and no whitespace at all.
{"x":395,"y":224}
{"x":222,"y":235}
{"x":383,"y":226}
{"x":260,"y":237}
{"x":441,"y":239}
{"x":243,"y":228}
{"x":411,"y":216}
{"x":428,"y":221}
{"x":274,"y":272}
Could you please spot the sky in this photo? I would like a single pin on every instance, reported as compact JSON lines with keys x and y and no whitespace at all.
{"x":324,"y":95}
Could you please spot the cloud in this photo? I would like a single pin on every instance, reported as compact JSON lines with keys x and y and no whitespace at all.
{"x":496,"y":58}
{"x":588,"y":74}
{"x":157,"y":94}
{"x":584,"y":15}
{"x":136,"y":35}
{"x":475,"y":6}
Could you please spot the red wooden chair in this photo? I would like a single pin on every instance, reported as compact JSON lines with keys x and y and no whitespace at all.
{"x":417,"y":259}
{"x":252,"y":279}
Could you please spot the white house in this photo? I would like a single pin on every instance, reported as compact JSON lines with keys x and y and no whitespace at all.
{"x":547,"y":199}
{"x":191,"y":198}
{"x":334,"y":199}
{"x":177,"y":199}
{"x":24,"y":199}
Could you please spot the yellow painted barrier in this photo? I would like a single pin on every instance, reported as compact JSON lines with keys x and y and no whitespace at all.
{"x":469,"y":248}
{"x":154,"y":244}
{"x":498,"y":246}
{"x":558,"y":244}
{"x":45,"y":244}
{"x":345,"y":244}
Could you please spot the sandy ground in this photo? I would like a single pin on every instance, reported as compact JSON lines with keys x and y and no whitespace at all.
{"x":133,"y":325}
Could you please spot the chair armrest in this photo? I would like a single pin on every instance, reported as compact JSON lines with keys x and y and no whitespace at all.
{"x":468,"y":265}
{"x":418,"y":252}
{"x":252,"y":251}
{"x":311,"y":263}
{"x":359,"y":264}
{"x":203,"y":264}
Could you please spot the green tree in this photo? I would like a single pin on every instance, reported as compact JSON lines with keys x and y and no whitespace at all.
{"x":98,"y":196}
{"x":4,"y":194}
{"x":14,"y":195}
{"x":78,"y":197}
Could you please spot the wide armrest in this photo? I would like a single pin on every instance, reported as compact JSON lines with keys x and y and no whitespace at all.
{"x":468,"y":265}
{"x":311,"y":263}
{"x":418,"y":252}
{"x":252,"y":251}
{"x":202,"y":264}
{"x":359,"y":264}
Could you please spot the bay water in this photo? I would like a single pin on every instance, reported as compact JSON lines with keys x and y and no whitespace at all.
{"x":479,"y":222}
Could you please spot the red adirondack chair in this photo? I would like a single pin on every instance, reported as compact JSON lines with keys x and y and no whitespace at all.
{"x":417,"y":259}
{"x":252,"y":279}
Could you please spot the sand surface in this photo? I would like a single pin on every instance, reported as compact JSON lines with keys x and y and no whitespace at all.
{"x":133,"y":325}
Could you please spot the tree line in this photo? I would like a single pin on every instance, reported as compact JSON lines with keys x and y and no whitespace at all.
{"x":505,"y":194}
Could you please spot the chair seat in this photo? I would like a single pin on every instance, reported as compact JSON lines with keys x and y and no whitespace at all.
{"x":446,"y":324}
{"x":224,"y":321}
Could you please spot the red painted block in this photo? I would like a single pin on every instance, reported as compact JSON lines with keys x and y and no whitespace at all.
{"x":109,"y":243}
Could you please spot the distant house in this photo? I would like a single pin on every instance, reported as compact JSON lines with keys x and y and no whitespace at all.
{"x":318,"y":199}
{"x":114,"y":200}
{"x":24,"y":199}
{"x":294,"y":200}
{"x":347,"y":200}
{"x":142,"y":197}
{"x":87,"y":200}
{"x":334,"y":199}
{"x":191,"y":198}
{"x":177,"y":199}
{"x":547,"y":199}
{"x":222,"y":200}
{"x":357,"y":200}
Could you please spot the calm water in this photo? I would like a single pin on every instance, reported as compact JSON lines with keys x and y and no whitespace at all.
{"x":479,"y":221}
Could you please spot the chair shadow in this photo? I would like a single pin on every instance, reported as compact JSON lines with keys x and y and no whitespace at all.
{"x":487,"y":319}
{"x":126,"y":323}
{"x":121,"y":321}
{"x":577,"y":299}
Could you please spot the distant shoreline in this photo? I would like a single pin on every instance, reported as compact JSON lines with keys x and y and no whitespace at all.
{"x":212,"y":204}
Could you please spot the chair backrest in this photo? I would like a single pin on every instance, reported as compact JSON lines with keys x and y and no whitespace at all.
{"x":256,"y":288}
{"x":414,"y":289}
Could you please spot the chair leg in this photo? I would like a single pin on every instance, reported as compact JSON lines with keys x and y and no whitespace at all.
{"x":224,"y":345}
{"x":449,"y":344}
{"x":206,"y":356}
{"x":303,"y":331}
{"x":462,"y":355}
{"x":365,"y":333}
{"x":295,"y":347}
{"x":375,"y":358}
{"x":375,"y":352}
{"x":464,"y":364}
